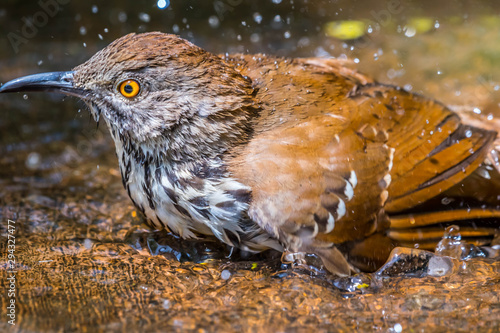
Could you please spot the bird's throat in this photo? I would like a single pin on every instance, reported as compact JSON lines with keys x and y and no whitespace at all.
{"x":189,"y":196}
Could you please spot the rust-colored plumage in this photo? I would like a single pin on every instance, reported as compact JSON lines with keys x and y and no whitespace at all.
{"x":302,"y":155}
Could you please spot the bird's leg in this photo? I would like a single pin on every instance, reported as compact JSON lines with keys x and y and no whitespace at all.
{"x":293,"y":258}
{"x":301,"y":260}
{"x":231,"y":251}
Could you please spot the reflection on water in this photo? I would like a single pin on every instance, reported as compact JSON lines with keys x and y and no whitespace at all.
{"x":83,"y":260}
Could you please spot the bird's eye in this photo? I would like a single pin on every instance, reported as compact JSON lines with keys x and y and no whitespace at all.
{"x":129,"y":88}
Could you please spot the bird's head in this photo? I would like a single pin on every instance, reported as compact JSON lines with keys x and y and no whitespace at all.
{"x":147,"y":86}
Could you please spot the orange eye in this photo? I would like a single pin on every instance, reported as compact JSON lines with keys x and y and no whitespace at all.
{"x":129,"y":88}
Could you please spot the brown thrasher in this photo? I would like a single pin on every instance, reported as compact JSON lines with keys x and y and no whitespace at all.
{"x":301,"y":155}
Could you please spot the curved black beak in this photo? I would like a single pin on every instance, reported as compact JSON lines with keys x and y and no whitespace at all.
{"x":61,"y":82}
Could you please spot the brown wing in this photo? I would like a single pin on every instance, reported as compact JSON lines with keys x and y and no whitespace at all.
{"x":315,"y":178}
{"x":322,"y":169}
{"x":433,"y":149}
{"x":315,"y":184}
{"x":436,"y":156}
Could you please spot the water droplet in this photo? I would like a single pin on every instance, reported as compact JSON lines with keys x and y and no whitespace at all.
{"x":25,"y":96}
{"x":303,"y":42}
{"x":451,"y":243}
{"x":393,"y":73}
{"x":287,"y":34}
{"x":33,"y":160}
{"x":175,"y":29}
{"x":257,"y":18}
{"x":277,"y":1}
{"x":477,"y":110}
{"x":447,"y":201}
{"x":244,"y":23}
{"x":106,"y":30}
{"x":213,"y":21}
{"x":398,"y":328}
{"x":277,"y":18}
{"x":122,"y":17}
{"x":100,"y":36}
{"x":255,"y":38}
{"x":144,"y":17}
{"x":166,"y":303}
{"x":484,"y":173}
{"x":225,"y":274}
{"x":453,"y":232}
{"x":87,"y":243}
{"x":410,"y":31}
{"x":238,"y":37}
{"x":320,"y":52}
{"x":95,"y":9}
{"x":162,"y":4}
{"x":40,"y":62}
{"x":83,"y":31}
{"x":468,"y":133}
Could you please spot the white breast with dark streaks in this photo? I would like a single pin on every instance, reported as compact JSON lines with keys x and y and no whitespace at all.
{"x":207,"y":208}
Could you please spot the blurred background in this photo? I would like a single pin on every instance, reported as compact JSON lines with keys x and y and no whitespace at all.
{"x":81,"y":264}
{"x":448,"y":50}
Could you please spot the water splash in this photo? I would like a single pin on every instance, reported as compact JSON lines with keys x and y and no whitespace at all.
{"x":452,"y":245}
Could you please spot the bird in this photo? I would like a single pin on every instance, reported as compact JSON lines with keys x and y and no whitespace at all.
{"x":300,"y":155}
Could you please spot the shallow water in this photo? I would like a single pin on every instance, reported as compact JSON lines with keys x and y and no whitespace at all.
{"x":84,"y":262}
